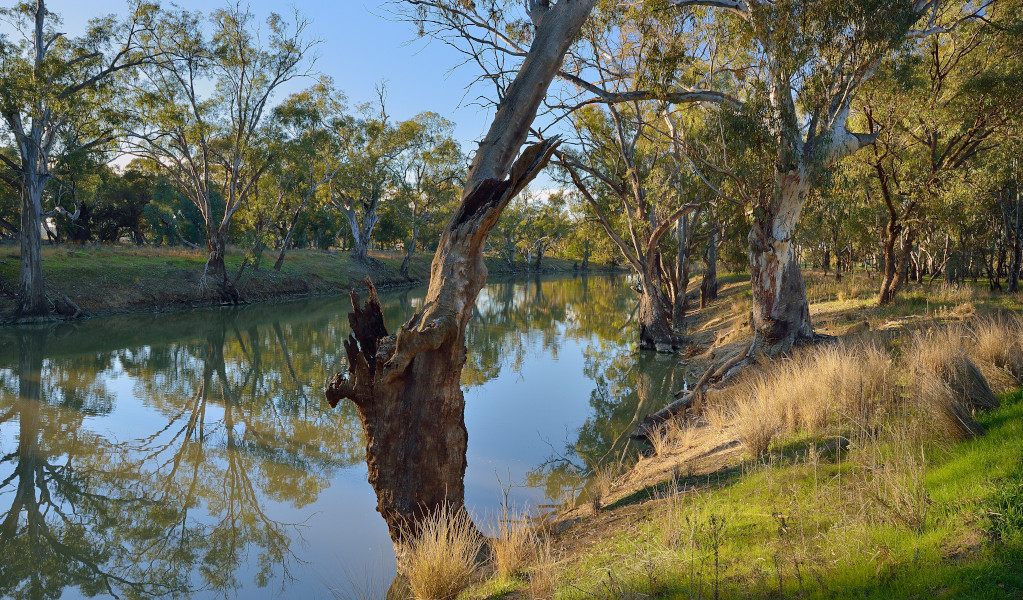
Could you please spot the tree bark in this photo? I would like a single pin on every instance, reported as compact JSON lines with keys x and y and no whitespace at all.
{"x":406,"y":387}
{"x":781,"y":312}
{"x":709,"y":284}
{"x":655,"y":331}
{"x":1013,"y":217}
{"x":405,"y":264}
{"x":216,"y":269}
{"x":32,"y":295}
{"x":291,"y":231}
{"x":684,"y":229}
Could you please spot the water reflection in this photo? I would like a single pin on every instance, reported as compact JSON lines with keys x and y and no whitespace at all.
{"x":193,"y":453}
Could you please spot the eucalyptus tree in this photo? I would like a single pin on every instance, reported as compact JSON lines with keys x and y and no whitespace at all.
{"x":407,"y":386}
{"x":53,"y":93}
{"x":931,"y":120}
{"x":306,"y":162}
{"x":784,"y":76}
{"x":621,"y":173}
{"x":806,"y":62}
{"x":547,"y":225}
{"x":198,"y":113}
{"x":369,"y":147}
{"x":427,"y":175}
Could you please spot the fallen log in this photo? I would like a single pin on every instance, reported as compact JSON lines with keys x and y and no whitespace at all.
{"x":679,"y":407}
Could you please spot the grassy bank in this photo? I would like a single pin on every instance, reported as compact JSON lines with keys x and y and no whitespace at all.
{"x":101,"y":280}
{"x":884,"y":465}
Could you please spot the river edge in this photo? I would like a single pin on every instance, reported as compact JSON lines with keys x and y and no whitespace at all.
{"x":98,"y":281}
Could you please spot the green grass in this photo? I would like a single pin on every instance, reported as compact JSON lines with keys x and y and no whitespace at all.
{"x":805,"y":527}
{"x":106,"y":279}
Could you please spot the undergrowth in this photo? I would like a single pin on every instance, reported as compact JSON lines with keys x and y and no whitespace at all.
{"x":876,"y":469}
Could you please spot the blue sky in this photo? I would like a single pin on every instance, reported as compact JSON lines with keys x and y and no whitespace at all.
{"x":360,"y":47}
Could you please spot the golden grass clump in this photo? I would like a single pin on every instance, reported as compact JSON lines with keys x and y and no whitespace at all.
{"x":543,"y":573}
{"x":514,"y":546}
{"x":941,"y":352}
{"x":440,"y":561}
{"x":998,"y":341}
{"x":821,"y":390}
{"x":673,"y":434}
{"x":755,"y":420}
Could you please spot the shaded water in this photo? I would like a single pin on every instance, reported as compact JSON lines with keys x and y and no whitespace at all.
{"x":193,"y":453}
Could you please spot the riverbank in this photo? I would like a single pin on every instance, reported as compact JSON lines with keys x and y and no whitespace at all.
{"x":883,"y":464}
{"x":102,"y":280}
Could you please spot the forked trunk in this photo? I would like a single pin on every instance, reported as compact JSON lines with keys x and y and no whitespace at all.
{"x":892,"y":234}
{"x":32,"y":295}
{"x":216,"y":269}
{"x":781,"y":312}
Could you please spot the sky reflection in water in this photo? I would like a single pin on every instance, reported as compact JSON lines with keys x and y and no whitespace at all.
{"x":192,"y":453}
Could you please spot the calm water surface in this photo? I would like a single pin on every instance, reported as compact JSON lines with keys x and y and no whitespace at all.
{"x":192,"y":454}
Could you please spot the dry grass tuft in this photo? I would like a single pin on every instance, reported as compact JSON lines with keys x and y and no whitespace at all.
{"x":756,"y":423}
{"x":818,"y":391}
{"x":941,"y":412}
{"x":440,"y":561}
{"x":941,"y":352}
{"x":514,"y":547}
{"x":673,"y":434}
{"x":998,"y":340}
{"x":543,"y":574}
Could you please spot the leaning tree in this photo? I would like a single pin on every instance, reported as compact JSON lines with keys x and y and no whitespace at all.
{"x":406,"y":385}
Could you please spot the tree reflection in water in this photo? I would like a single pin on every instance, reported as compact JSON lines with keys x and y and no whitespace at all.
{"x":238,"y":427}
{"x":189,"y":454}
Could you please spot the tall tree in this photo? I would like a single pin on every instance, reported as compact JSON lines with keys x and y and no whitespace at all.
{"x":427,"y":175}
{"x":407,"y":385}
{"x":198,"y":113}
{"x":50,"y":84}
{"x":306,"y":160}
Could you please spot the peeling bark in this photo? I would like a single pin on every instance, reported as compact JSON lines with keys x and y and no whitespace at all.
{"x":31,"y":293}
{"x":781,"y":312}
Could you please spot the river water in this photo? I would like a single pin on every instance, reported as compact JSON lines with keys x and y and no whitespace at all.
{"x":192,"y":454}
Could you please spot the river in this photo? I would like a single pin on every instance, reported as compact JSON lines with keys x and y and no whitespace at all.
{"x":193,"y":453}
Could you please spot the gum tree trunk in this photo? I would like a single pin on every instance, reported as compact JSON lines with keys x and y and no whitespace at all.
{"x":709,"y":284}
{"x":32,"y":296}
{"x":405,"y":264}
{"x":216,"y":270}
{"x":406,"y":386}
{"x":781,"y":313}
{"x":684,"y":230}
{"x":655,"y":332}
{"x":1013,"y":217}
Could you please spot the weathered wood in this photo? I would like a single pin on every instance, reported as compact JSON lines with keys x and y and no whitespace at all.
{"x":407,"y":386}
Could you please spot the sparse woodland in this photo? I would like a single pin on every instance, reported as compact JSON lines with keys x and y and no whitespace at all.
{"x":855,"y":166}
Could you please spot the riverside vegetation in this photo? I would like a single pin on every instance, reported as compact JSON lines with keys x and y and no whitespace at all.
{"x":97,"y":280}
{"x":882,"y":464}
